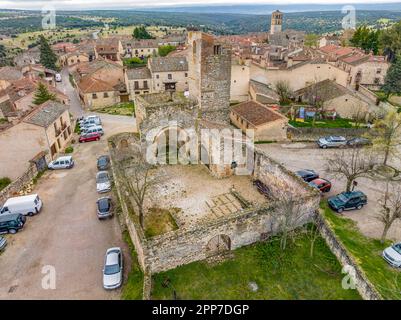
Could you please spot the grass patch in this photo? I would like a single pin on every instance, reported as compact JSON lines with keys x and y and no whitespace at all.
{"x":122,"y":109}
{"x":292,"y":274}
{"x":3,"y":120}
{"x":4,"y":182}
{"x":69,"y":149}
{"x":159,"y":221}
{"x":133,"y":288}
{"x":367,"y":252}
{"x":327,"y":123}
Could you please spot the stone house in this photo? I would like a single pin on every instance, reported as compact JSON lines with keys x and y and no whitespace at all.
{"x":139,"y":81}
{"x":267,"y":124}
{"x":9,"y":74}
{"x":47,"y":129}
{"x":240,"y":77}
{"x":142,"y":48}
{"x":329,"y":40}
{"x":110,"y":49}
{"x":262,"y":93}
{"x":74,"y":58}
{"x":335,"y":98}
{"x":169,"y":73}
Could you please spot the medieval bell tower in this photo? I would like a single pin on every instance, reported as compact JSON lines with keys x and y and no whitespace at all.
{"x":276,"y":22}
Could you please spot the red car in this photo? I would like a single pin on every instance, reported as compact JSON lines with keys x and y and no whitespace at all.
{"x":89,"y":137}
{"x":321,"y":184}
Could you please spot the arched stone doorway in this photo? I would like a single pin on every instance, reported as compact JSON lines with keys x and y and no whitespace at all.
{"x":171,"y":145}
{"x":219,"y":244}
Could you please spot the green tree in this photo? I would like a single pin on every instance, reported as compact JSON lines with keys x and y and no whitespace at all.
{"x":366,"y":39}
{"x":165,"y":50}
{"x":134,"y":62}
{"x":392,"y":82}
{"x":47,"y":57}
{"x":390,"y":39}
{"x":311,"y":40}
{"x":141,"y":33}
{"x":43,"y":94}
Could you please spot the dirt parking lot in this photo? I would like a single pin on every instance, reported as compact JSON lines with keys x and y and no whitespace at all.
{"x":66,"y":234}
{"x":299,"y":156}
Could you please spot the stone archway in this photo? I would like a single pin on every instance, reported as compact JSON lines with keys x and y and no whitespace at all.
{"x":169,"y":143}
{"x":219,"y":244}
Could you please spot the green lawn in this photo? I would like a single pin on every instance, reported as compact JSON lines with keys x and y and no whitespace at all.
{"x":133,"y":287}
{"x":122,"y":109}
{"x":338,"y":123}
{"x":291,"y":274}
{"x":367,"y":253}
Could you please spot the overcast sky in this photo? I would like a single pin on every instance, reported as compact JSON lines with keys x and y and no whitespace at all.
{"x":93,"y":4}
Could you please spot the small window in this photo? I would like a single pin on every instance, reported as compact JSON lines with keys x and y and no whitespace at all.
{"x":105,"y":95}
{"x":379,"y":71}
{"x":157,"y":76}
{"x":217,"y":50}
{"x":170,"y":76}
{"x":186,"y":74}
{"x":94,"y":96}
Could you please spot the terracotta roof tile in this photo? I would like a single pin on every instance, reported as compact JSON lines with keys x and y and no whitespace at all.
{"x":256,"y":113}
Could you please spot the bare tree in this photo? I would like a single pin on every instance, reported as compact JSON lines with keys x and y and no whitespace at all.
{"x":284,"y":90}
{"x":312,"y":232}
{"x":356,"y":164}
{"x":287,"y":217}
{"x":390,"y":203}
{"x":138,"y":177}
{"x":386,"y":135}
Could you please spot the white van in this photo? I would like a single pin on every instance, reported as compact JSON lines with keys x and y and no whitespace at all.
{"x":26,"y":205}
{"x":58,"y":77}
{"x":61,"y":163}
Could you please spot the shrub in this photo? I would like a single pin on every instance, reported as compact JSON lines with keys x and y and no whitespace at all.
{"x":69,"y":149}
{"x":4,"y":182}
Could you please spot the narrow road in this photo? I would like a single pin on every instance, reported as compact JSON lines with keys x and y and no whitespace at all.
{"x":65,"y":86}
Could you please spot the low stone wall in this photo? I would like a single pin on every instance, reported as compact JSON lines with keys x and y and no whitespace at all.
{"x":312,"y":134}
{"x":17,"y":185}
{"x":363,"y":285}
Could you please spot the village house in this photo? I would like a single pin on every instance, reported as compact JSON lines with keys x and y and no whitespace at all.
{"x":240,"y":77}
{"x":267,"y":124}
{"x":335,"y":98}
{"x":142,"y":48}
{"x":169,"y":73}
{"x":262,"y":93}
{"x":329,"y":40}
{"x":110,"y":49}
{"x":139,"y":81}
{"x":47,"y":129}
{"x":9,"y":74}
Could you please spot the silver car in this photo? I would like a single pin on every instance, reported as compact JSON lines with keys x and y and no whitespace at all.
{"x":393,"y":255}
{"x":332,"y":142}
{"x":3,"y":243}
{"x":113,"y":269}
{"x":103,"y":183}
{"x":104,"y":208}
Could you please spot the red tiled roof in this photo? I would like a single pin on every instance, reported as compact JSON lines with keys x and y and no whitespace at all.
{"x":256,"y":113}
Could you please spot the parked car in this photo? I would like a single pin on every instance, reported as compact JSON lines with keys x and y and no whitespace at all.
{"x":103,"y":183}
{"x":87,"y":137}
{"x":104,"y":208}
{"x":95,"y":120}
{"x":321,"y":184}
{"x":348,"y":201}
{"x":332,"y":142}
{"x":307,"y":175}
{"x":93,"y":129}
{"x":61,"y":163}
{"x":87,"y":118}
{"x":11,"y":223}
{"x":26,"y":205}
{"x":3,"y":243}
{"x":58,"y":77}
{"x":392,"y":255}
{"x":113,"y":269}
{"x":103,"y":162}
{"x":358,"y":142}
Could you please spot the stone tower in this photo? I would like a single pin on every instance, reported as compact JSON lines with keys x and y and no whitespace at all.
{"x":209,"y":76}
{"x":276,"y":22}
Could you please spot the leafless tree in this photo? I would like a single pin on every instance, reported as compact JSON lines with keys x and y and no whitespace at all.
{"x":284,"y":90}
{"x":390,"y":211}
{"x":312,"y":232}
{"x":138,"y":178}
{"x":287,"y":217}
{"x":351,"y":165}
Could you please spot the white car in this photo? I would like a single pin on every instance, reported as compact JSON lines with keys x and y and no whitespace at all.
{"x":103,"y":183}
{"x":58,"y":77}
{"x":393,"y":255}
{"x":61,"y":163}
{"x":113,"y":269}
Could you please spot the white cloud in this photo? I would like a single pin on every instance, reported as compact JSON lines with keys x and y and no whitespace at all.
{"x":99,"y":4}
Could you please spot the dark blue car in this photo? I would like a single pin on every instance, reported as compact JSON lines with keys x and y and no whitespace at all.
{"x":348,"y":201}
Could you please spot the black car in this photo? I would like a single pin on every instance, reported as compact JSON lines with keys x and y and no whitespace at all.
{"x":11,"y":223}
{"x":358,"y":142}
{"x":103,"y":163}
{"x":348,"y":201}
{"x":104,"y":207}
{"x":307,"y":175}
